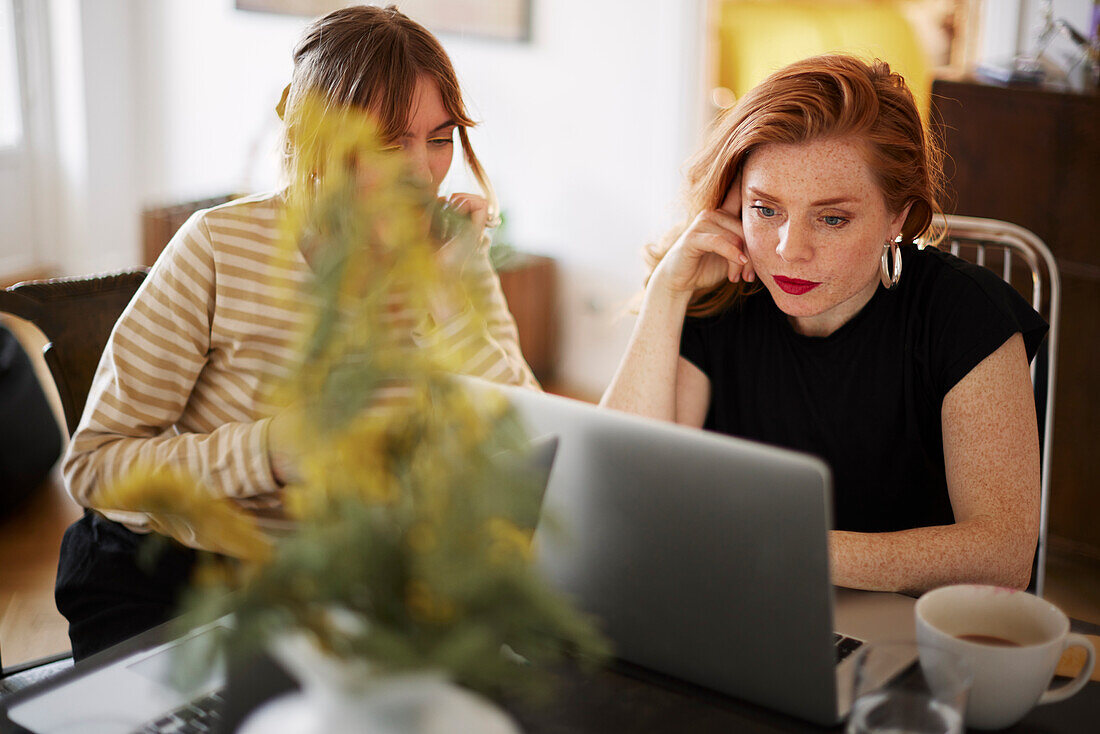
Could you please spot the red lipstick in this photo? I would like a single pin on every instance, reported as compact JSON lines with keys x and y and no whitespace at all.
{"x":794,"y":286}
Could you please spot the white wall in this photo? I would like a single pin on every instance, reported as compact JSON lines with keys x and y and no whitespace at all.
{"x":93,"y":54}
{"x":1077,"y":12}
{"x":209,"y":79}
{"x":156,"y":101}
{"x":584,"y":132}
{"x":1010,"y":27}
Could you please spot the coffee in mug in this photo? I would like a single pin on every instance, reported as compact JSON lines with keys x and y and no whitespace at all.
{"x":989,"y":640}
{"x":1013,"y":641}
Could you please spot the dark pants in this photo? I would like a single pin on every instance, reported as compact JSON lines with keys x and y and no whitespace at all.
{"x":105,"y":590}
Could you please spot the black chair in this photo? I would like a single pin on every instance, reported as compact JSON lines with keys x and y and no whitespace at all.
{"x":77,"y":316}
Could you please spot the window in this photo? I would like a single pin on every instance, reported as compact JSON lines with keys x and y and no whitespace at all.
{"x":11,"y":115}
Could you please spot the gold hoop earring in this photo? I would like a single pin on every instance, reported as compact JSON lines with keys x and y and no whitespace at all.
{"x":890,"y":251}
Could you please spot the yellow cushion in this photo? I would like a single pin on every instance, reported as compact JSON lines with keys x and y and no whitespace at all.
{"x":756,"y":37}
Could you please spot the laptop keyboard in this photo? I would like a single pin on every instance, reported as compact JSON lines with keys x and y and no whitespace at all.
{"x":845,"y":646}
{"x":196,"y":717}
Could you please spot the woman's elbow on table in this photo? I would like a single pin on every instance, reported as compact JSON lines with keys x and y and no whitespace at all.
{"x":1020,"y":557}
{"x":1007,"y":551}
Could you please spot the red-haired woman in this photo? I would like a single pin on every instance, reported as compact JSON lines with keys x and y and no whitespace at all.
{"x":906,"y":369}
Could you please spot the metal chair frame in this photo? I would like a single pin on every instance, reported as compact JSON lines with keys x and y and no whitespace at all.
{"x":1014,"y":243}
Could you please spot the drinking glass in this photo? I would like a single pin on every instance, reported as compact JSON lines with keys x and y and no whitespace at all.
{"x":895,"y":689}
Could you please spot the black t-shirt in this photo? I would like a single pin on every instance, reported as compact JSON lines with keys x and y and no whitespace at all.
{"x":866,"y":398}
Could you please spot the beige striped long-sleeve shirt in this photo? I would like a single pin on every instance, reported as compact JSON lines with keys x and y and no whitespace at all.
{"x":185,"y":376}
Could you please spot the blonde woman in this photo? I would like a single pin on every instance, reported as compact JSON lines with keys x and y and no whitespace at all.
{"x":183,"y":379}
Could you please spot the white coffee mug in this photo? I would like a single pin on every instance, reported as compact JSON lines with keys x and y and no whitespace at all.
{"x":1013,"y":641}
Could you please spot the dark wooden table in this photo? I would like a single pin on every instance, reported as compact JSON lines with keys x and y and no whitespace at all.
{"x":618,"y":699}
{"x":635,"y":701}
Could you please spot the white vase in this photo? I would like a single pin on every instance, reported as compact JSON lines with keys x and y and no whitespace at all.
{"x":339,"y":697}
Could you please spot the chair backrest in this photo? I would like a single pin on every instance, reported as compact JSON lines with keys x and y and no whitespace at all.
{"x":1023,"y":260}
{"x":76,"y":315}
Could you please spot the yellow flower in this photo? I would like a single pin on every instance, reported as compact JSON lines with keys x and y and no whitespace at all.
{"x":399,"y":469}
{"x":507,"y":541}
{"x":182,"y":508}
{"x":422,"y":537}
{"x":427,"y":606}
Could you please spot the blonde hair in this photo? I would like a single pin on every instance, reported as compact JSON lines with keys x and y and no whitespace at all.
{"x":813,"y":99}
{"x":370,"y":57}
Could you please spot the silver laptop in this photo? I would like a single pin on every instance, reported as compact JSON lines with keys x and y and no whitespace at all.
{"x":705,"y":556}
{"x":134,"y":692}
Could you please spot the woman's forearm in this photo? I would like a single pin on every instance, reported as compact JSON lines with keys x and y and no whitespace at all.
{"x":916,"y":560}
{"x":645,"y":382}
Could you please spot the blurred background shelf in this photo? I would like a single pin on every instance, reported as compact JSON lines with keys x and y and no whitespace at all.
{"x":1031,"y":156}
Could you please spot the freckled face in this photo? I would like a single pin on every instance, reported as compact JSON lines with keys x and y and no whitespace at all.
{"x":815,"y":222}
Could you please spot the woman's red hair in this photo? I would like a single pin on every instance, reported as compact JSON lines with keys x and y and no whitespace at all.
{"x":831,"y":96}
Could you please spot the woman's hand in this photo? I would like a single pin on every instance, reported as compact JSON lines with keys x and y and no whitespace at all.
{"x":461,"y":246}
{"x":282,"y":448}
{"x":472,"y":206}
{"x":712,"y":248}
{"x":460,"y":249}
{"x":653,"y":380}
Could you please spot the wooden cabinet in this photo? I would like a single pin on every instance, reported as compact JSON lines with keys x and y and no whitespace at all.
{"x":1032,"y":157}
{"x":159,"y":224}
{"x":530,"y":286}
